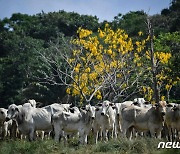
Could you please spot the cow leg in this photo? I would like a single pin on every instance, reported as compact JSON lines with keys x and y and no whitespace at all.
{"x":129,"y":133}
{"x":81,"y":139}
{"x":152,"y":132}
{"x":65,"y":137}
{"x":42,"y":135}
{"x":177,"y":135}
{"x":31,"y":135}
{"x":118,"y":127}
{"x":96,"y":135}
{"x":105,"y":134}
{"x":85,"y":138}
{"x":125,"y":127}
{"x":14,"y":130}
{"x":169,"y":134}
{"x":158,"y":133}
{"x":4,"y":131}
{"x":114,"y":131}
{"x":57,"y":132}
{"x":173,"y":134}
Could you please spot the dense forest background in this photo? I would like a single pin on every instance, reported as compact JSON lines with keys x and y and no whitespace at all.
{"x":23,"y":37}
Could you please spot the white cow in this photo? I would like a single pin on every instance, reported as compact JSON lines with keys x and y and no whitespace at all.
{"x":143,"y":119}
{"x":3,"y":124}
{"x":172,"y":119}
{"x":68,"y":122}
{"x":119,"y":107}
{"x":30,"y":119}
{"x":104,"y":121}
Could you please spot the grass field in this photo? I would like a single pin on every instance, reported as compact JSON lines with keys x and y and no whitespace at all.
{"x":121,"y":146}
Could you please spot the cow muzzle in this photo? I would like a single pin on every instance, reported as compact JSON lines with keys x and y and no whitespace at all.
{"x":7,"y":119}
{"x":102,"y":114}
{"x":163,"y":113}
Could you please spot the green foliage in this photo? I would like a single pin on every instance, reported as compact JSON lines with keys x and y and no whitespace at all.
{"x":132,"y":22}
{"x":172,"y":14}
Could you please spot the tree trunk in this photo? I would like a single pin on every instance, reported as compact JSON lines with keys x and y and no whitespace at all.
{"x":153,"y":63}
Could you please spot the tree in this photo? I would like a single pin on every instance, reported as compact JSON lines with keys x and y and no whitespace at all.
{"x":158,"y":58}
{"x":169,"y":43}
{"x":15,"y":67}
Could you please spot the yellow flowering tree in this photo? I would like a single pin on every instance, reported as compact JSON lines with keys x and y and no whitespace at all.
{"x":105,"y":64}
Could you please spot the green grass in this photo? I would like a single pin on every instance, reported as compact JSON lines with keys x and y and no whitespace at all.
{"x":120,"y":146}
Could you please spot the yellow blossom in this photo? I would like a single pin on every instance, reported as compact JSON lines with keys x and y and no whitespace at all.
{"x":140,"y":33}
{"x":68,"y":91}
{"x":109,"y":52}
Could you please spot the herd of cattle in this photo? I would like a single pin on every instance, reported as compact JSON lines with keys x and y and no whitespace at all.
{"x":104,"y":120}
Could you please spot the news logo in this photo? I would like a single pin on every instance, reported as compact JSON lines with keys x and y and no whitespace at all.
{"x":169,"y":145}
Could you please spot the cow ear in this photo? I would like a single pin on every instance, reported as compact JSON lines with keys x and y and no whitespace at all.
{"x":147,"y":103}
{"x":111,"y":104}
{"x":71,"y":110}
{"x":83,"y":108}
{"x":16,"y":109}
{"x":113,"y":107}
{"x":135,"y":103}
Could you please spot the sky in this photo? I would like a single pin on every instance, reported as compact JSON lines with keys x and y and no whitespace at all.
{"x":103,"y":9}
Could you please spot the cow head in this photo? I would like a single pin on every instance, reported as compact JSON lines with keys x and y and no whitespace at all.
{"x":105,"y":106}
{"x":91,"y":111}
{"x":139,"y":100}
{"x":169,"y":107}
{"x":12,"y":112}
{"x":3,"y":114}
{"x":161,"y":109}
{"x":32,"y":102}
{"x":176,"y":108}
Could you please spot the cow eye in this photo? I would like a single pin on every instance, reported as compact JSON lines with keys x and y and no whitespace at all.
{"x":2,"y":112}
{"x":12,"y":110}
